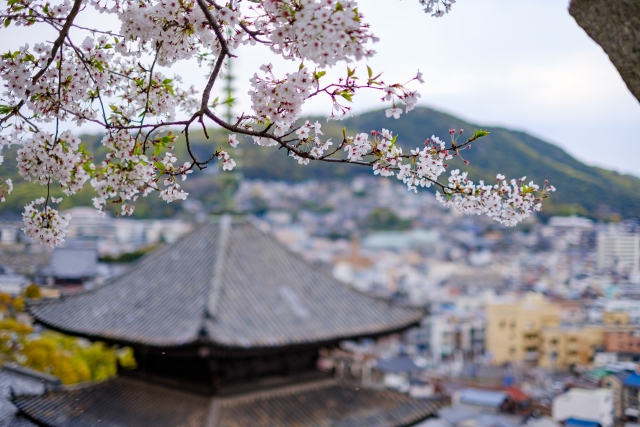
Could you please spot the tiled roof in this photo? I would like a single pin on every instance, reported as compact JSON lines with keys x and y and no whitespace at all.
{"x":16,"y":380}
{"x":124,"y":402}
{"x":327,"y":404}
{"x":228,"y":284}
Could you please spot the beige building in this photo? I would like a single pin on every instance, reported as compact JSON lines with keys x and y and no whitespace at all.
{"x":616,"y":318}
{"x":514,"y":328}
{"x":564,"y":346}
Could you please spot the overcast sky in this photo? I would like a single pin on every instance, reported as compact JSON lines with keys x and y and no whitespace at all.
{"x":523,"y":64}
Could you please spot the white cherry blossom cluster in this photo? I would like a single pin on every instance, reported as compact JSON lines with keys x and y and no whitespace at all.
{"x":173,"y":191}
{"x":6,"y":187}
{"x":322,"y":31}
{"x":310,"y":143}
{"x":227,"y":162}
{"x":427,"y":164}
{"x":357,"y":147}
{"x":508,"y":202}
{"x":179,"y":29}
{"x":437,"y":7}
{"x":45,"y":159}
{"x":124,"y":174}
{"x":279,"y":101}
{"x":46,"y":226}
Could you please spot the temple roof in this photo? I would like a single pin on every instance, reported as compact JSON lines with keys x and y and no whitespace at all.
{"x":227,"y":284}
{"x":124,"y":402}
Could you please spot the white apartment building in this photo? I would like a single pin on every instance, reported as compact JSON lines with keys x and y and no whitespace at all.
{"x":618,"y":250}
{"x":449,"y":334}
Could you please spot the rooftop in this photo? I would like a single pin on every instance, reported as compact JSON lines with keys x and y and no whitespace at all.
{"x":227,"y":284}
{"x":124,"y":402}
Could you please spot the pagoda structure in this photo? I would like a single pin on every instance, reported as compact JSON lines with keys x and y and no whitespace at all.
{"x":227,"y":327}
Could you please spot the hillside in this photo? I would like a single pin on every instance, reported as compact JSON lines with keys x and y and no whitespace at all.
{"x":581,"y":189}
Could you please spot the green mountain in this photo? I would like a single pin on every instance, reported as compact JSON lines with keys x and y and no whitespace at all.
{"x":581,"y":189}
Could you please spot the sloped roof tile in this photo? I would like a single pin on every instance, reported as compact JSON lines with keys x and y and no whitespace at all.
{"x":228,"y":284}
{"x":125,"y":402}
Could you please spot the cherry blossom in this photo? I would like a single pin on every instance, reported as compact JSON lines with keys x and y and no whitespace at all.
{"x":46,"y":226}
{"x":119,"y":78}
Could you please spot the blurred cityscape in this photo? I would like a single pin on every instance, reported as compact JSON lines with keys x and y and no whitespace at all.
{"x":535,"y":325}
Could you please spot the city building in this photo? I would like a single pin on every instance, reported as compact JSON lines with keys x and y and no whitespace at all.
{"x":618,"y":250}
{"x":581,"y":405}
{"x":450,"y":334}
{"x":514,"y":328}
{"x":614,"y":381}
{"x":623,"y":340}
{"x":73,"y":265}
{"x":9,"y":232}
{"x":227,"y":327}
{"x":631,"y":396}
{"x":12,"y":283}
{"x":565,"y":346}
{"x":616,"y":311}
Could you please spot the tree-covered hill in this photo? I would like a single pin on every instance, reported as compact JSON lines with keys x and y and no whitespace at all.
{"x":581,"y":189}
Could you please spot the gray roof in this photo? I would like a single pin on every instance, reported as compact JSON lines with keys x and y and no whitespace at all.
{"x":17,"y":380}
{"x":227,"y":284}
{"x":477,"y":397}
{"x":123,"y":402}
{"x":72,"y":263}
{"x":396,"y":364}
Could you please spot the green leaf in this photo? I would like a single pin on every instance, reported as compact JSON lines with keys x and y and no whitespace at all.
{"x":7,"y":22}
{"x":318,"y":74}
{"x":479,"y":133}
{"x":369,"y":71}
{"x":99,"y":65}
{"x":5,"y":109}
{"x":347,"y":95}
{"x":158,"y":150}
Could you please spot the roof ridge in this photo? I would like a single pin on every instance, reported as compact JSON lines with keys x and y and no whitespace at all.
{"x":30,"y":373}
{"x":218,"y":266}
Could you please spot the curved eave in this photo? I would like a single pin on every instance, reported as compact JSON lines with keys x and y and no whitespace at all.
{"x":225,"y":347}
